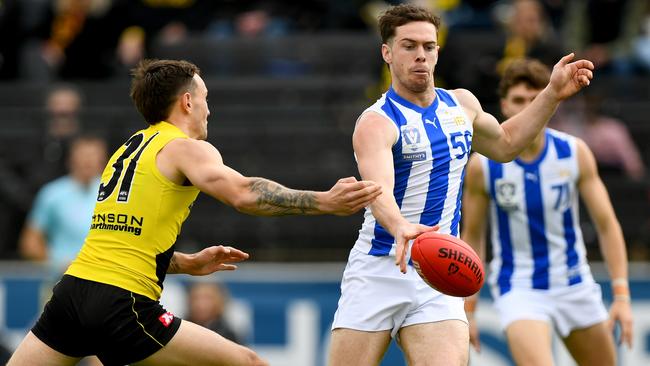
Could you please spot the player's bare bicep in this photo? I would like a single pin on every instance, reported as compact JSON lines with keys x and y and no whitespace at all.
{"x":373,"y":132}
{"x":198,"y":161}
{"x":487,"y":130}
{"x":487,"y":133}
{"x":373,"y":139}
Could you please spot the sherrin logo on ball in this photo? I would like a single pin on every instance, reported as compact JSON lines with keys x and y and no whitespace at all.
{"x":447,"y":264}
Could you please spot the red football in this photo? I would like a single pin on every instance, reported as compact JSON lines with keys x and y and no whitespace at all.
{"x":447,"y":264}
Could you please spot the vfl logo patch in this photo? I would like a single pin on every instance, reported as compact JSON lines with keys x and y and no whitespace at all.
{"x":413,"y":149}
{"x":411,"y":135}
{"x":507,"y":194}
{"x":452,"y":269}
{"x":166,"y":319}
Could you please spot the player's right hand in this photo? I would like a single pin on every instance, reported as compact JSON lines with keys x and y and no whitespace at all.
{"x":348,"y":196}
{"x":213,"y":259}
{"x":404,"y":234}
{"x":568,"y":77}
{"x":621,"y":312}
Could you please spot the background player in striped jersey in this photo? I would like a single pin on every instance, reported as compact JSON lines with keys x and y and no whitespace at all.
{"x":540,"y":278}
{"x":415,"y":142}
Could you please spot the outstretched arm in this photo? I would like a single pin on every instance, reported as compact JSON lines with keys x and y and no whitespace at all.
{"x":372,"y":140}
{"x":475,"y":209}
{"x":505,"y":141}
{"x":610,"y":237}
{"x":202,"y":165}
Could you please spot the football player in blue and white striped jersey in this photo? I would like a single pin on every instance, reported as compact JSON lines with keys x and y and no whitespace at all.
{"x":539,"y":275}
{"x":414,"y":142}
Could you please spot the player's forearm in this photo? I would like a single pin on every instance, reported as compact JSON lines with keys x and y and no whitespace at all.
{"x":612,"y":246}
{"x":268,"y":198}
{"x":387,"y":213}
{"x":522,"y":128}
{"x":613,"y":249}
{"x":176,"y":263}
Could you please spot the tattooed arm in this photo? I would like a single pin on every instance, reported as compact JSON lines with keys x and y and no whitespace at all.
{"x":275,"y":199}
{"x":200,"y":163}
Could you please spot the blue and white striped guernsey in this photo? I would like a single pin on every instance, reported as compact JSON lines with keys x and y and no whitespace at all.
{"x":536,"y":238}
{"x":429,"y":158}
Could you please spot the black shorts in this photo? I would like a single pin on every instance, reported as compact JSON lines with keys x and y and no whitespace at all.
{"x":90,"y":318}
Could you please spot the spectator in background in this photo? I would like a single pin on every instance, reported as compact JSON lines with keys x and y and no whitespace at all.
{"x":207,"y":302}
{"x":61,"y":215}
{"x":130,"y":49}
{"x":80,"y":37}
{"x":63,"y":106}
{"x":23,"y":171}
{"x":526,"y":32}
{"x":171,"y":22}
{"x":607,"y":137}
{"x":604,"y":31}
{"x":529,"y":34}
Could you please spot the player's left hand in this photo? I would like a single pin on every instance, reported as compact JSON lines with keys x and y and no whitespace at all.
{"x":212,"y":259}
{"x":568,"y":77}
{"x":621,"y":312}
{"x":348,"y":196}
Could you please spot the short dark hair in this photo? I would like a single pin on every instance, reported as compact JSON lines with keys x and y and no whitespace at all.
{"x":403,"y":14}
{"x":156,"y":85}
{"x":529,"y":71}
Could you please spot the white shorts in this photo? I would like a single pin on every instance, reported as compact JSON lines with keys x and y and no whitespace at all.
{"x":567,"y":308}
{"x":376,"y":296}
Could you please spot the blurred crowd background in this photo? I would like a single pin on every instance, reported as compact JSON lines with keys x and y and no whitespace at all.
{"x":287,"y":80}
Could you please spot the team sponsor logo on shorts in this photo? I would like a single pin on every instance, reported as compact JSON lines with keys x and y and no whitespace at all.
{"x":166,"y":319}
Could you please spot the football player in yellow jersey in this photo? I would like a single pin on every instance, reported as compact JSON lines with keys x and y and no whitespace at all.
{"x":106,"y":304}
